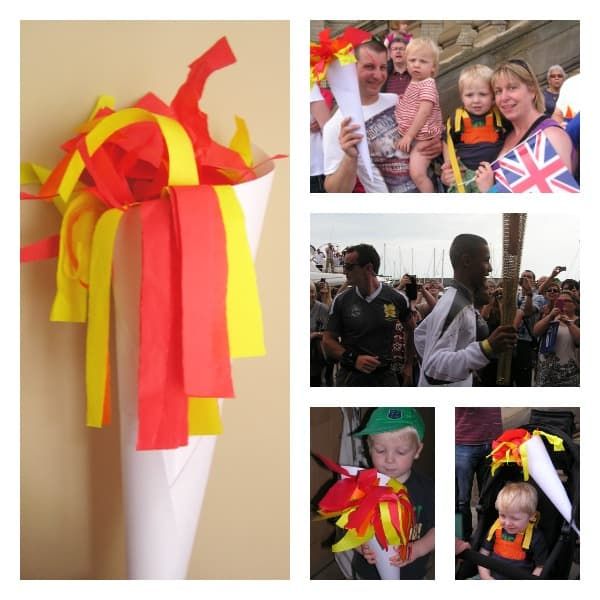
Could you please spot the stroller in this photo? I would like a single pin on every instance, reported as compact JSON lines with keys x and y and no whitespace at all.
{"x":561,"y":539}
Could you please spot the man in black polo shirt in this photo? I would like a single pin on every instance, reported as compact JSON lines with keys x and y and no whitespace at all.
{"x":362,"y":322}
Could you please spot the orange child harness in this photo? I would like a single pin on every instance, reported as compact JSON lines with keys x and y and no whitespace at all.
{"x":469,"y":134}
{"x":516,"y":548}
{"x":463,"y":127}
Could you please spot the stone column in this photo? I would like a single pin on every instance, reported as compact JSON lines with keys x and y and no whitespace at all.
{"x":467,"y":34}
{"x":432,"y":29}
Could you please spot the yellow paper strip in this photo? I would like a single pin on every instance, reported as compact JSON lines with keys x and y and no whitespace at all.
{"x":244,"y":316}
{"x":204,"y":417}
{"x":98,"y":330}
{"x":72,"y":270}
{"x":240,"y":142}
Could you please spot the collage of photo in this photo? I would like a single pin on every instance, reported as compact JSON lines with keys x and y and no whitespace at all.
{"x":173,"y":421}
{"x":436,"y":299}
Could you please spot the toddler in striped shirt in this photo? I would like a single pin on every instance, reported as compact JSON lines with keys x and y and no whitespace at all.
{"x":418,"y":113}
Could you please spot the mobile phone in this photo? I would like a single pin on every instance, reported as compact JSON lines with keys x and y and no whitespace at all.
{"x":411,"y":288}
{"x":562,"y":269}
{"x":560,"y":304}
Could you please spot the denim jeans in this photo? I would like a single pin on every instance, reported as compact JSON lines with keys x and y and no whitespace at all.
{"x":469,"y":462}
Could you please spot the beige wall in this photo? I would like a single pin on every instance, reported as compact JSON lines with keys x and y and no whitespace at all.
{"x":71,"y":510}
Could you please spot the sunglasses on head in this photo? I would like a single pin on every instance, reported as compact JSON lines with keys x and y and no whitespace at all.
{"x":521,"y":63}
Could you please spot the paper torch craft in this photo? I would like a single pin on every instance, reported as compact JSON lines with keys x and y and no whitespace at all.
{"x":161,"y":159}
{"x":370,"y":506}
{"x":527,"y":450}
{"x":333,"y":59}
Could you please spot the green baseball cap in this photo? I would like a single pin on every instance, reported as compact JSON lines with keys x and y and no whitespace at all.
{"x":390,"y":419}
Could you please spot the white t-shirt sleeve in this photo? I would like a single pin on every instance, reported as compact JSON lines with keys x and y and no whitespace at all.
{"x":332,"y":151}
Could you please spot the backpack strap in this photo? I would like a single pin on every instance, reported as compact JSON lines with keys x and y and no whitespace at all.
{"x":497,"y":117}
{"x":493,"y":530}
{"x":529,"y":530}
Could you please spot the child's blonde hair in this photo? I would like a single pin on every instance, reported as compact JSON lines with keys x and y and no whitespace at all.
{"x":476,"y":72}
{"x":520,"y":496}
{"x":425,"y":44}
{"x":404,"y":431}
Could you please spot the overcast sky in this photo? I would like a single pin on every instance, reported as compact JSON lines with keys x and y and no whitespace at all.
{"x":410,"y":239}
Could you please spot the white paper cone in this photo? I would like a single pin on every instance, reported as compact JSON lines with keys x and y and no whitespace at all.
{"x":543,"y":472}
{"x":382,"y":558}
{"x":163,"y":489}
{"x":343,"y":82}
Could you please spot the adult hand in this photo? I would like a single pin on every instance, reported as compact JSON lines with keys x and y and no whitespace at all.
{"x":555,"y":272}
{"x":349,"y":137}
{"x":460,"y":545}
{"x":554,"y":313}
{"x":366,"y":364}
{"x":447,"y":174}
{"x":484,"y":176}
{"x":314,"y":126}
{"x":369,"y":555}
{"x":431,"y":148}
{"x":503,"y":338}
{"x":526,"y":285}
{"x":316,"y":335}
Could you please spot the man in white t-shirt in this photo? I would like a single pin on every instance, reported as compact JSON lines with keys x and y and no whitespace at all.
{"x":342,"y":164}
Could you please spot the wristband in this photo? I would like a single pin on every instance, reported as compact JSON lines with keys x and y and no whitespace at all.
{"x":486,"y":347}
{"x":348,"y":359}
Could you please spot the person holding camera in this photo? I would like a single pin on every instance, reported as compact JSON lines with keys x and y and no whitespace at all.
{"x":529,"y":307}
{"x":558,"y":358}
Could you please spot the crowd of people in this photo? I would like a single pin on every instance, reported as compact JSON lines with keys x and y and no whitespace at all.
{"x":411,"y":332}
{"x":410,"y":147}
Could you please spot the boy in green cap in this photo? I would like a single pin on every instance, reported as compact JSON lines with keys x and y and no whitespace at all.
{"x":395,"y":441}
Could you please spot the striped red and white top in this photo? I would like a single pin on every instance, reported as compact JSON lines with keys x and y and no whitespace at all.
{"x":408,"y":104}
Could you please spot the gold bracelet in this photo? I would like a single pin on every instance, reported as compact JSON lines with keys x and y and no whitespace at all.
{"x":487,"y":348}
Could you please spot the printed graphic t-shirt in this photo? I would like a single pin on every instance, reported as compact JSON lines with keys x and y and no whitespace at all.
{"x":390,"y":165}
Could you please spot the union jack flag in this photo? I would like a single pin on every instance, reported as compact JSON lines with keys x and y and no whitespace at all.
{"x":533,"y":166}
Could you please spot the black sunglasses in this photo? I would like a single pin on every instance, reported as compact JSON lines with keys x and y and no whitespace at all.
{"x":349,"y":266}
{"x":520,"y":63}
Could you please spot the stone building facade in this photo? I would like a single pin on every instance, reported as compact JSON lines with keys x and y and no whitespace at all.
{"x":540,"y":43}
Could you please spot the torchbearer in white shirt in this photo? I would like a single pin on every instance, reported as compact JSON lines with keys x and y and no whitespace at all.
{"x":446,"y":338}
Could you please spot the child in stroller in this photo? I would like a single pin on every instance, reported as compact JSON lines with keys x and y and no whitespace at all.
{"x":560,"y":537}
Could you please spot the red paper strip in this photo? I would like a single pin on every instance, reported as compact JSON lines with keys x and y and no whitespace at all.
{"x":202,"y":244}
{"x":185,"y":102}
{"x":112,"y":187}
{"x":41,"y":250}
{"x":162,"y":403}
